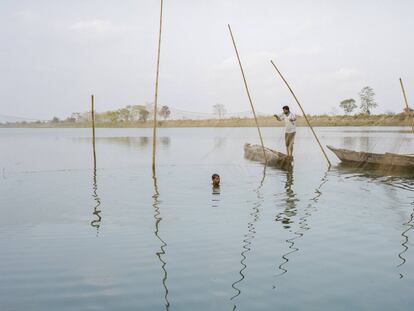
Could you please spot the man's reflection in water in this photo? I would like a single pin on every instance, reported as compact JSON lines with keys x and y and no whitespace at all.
{"x":290,"y":202}
{"x":291,"y":211}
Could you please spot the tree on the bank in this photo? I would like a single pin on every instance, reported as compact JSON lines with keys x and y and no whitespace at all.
{"x":348,"y":105}
{"x":107,"y":116}
{"x":124,"y":114}
{"x":164,"y":112}
{"x":77,"y":116}
{"x":139,"y":112}
{"x":150,"y":108}
{"x":367,"y":99}
{"x":219,"y":110}
{"x":143,"y":113}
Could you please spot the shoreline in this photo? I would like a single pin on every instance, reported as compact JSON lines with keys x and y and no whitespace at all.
{"x":317,"y":121}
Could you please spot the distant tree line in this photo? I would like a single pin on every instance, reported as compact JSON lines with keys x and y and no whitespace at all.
{"x":129,"y":113}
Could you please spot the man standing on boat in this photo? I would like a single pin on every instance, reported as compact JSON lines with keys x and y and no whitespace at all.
{"x":290,"y":128}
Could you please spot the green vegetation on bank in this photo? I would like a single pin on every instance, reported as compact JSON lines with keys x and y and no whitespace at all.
{"x":401,"y":119}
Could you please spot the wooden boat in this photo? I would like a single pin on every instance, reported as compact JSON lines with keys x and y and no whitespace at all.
{"x":382,"y":159}
{"x":274,"y":158}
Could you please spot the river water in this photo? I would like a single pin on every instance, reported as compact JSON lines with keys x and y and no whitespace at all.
{"x":77,"y":238}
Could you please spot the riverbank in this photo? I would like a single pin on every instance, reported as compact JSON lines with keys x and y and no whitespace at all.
{"x":321,"y":120}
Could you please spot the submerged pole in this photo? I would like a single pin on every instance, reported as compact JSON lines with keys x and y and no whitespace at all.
{"x":304,"y":114}
{"x":93,"y":130}
{"x":406,"y":104}
{"x":154,"y":128}
{"x":248,"y":93}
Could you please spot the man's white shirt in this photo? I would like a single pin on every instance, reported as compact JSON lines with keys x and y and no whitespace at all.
{"x":290,"y":119}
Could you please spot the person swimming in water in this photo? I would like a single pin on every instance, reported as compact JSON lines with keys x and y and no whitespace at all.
{"x":215,"y":180}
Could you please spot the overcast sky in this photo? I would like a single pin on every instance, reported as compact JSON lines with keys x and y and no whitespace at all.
{"x":55,"y":53}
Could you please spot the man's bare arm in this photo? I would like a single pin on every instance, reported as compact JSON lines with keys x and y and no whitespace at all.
{"x":277,"y":117}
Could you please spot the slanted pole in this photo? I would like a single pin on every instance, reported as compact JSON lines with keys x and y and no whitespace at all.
{"x":248,"y":93}
{"x":154,"y":128}
{"x":406,"y":104}
{"x":93,"y":130}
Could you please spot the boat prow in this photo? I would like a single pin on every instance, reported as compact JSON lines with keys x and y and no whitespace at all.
{"x":273,"y":158}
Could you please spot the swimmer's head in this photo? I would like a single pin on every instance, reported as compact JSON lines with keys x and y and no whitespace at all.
{"x":215,"y":179}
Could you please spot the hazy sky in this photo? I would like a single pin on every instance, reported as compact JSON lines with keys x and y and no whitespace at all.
{"x":55,"y":53}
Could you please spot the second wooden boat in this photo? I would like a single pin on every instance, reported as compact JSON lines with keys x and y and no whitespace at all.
{"x":274,"y":158}
{"x":388,"y":159}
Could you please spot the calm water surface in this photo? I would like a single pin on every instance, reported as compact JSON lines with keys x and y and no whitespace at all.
{"x":75,"y":238}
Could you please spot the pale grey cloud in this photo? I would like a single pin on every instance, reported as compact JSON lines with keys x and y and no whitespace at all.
{"x":93,"y":25}
{"x":345,"y":73}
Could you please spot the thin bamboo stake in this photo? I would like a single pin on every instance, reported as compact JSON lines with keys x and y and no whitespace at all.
{"x":406,"y":104}
{"x":154,"y":129}
{"x":304,"y":114}
{"x":248,"y":93}
{"x":93,"y":130}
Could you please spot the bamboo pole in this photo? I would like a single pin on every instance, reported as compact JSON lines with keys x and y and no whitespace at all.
{"x":304,"y":114}
{"x":93,"y":130}
{"x":154,"y":129}
{"x":248,"y":93}
{"x":406,"y":104}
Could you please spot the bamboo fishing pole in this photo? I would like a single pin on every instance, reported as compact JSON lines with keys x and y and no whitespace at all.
{"x":93,"y":130}
{"x":248,"y":92}
{"x":406,"y":104}
{"x":154,"y":129}
{"x":304,"y":114}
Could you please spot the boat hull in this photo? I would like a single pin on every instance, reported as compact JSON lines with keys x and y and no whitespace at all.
{"x":273,"y":158}
{"x":384,"y":159}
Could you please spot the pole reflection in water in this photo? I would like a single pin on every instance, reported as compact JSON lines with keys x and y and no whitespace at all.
{"x":291,"y":211}
{"x":161,"y":252}
{"x":96,"y":223}
{"x":409,"y":225}
{"x":249,"y":237}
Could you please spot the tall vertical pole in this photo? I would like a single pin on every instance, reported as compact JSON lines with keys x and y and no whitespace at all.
{"x":304,"y":114}
{"x":248,"y":93}
{"x":154,"y":129}
{"x":406,"y":104}
{"x":93,"y":130}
